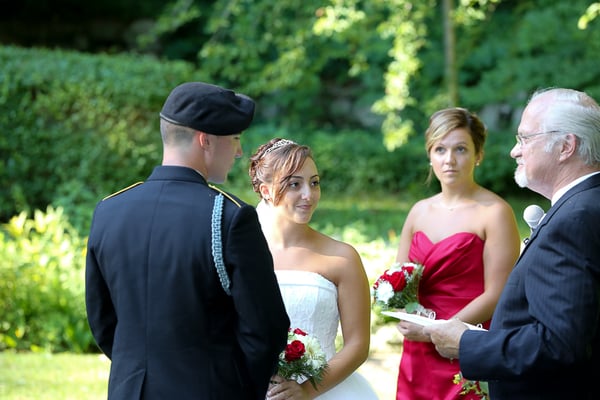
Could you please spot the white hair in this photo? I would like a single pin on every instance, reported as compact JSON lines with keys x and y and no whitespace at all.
{"x":572,"y":111}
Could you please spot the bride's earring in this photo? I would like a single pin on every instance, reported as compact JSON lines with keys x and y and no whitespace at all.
{"x":264,"y":191}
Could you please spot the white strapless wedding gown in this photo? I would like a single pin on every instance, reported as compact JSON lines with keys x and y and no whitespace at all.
{"x":311,"y":303}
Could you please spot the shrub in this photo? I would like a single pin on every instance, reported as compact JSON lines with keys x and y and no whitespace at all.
{"x":350,"y":162}
{"x":77,"y":126}
{"x":353,"y":162}
{"x":42,"y":284}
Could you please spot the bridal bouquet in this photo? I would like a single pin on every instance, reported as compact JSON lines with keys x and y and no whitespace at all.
{"x":303,"y":357}
{"x":398,"y":287}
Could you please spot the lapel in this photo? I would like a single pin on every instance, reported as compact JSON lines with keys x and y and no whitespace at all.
{"x":587,"y":184}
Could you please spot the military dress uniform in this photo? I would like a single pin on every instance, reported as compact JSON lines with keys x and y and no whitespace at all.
{"x":156,"y":305}
{"x":180,"y":292}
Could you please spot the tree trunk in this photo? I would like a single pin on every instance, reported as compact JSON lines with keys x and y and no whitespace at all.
{"x":450,"y":73}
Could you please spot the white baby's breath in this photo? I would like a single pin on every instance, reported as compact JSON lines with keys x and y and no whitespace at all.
{"x":384,"y":292}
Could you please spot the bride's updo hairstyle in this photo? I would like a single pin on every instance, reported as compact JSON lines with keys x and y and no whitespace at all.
{"x":444,"y":121}
{"x":274,"y":163}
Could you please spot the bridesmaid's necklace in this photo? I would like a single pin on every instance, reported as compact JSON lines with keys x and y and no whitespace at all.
{"x":461,"y":201}
{"x":457,"y":204}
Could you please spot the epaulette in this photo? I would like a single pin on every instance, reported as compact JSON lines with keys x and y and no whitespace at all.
{"x":122,"y":190}
{"x":230,"y":197}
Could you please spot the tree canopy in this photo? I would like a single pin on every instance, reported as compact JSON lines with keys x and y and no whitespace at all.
{"x":381,"y":65}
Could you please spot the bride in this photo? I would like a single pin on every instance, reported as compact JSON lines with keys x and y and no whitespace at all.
{"x":322,"y":280}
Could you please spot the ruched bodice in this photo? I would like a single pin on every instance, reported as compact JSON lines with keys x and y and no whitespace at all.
{"x":452,"y":277}
{"x":453,"y":273}
{"x":311,"y":302}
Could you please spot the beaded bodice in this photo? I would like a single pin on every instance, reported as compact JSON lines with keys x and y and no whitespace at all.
{"x":311,"y":303}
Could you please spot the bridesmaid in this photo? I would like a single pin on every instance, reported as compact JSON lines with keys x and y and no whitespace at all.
{"x":467,"y":239}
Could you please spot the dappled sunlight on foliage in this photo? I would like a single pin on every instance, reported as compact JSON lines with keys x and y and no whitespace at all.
{"x":42,"y":285}
{"x":592,"y":12}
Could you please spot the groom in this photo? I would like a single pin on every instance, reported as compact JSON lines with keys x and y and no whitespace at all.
{"x":181,"y":293}
{"x":544,"y":340}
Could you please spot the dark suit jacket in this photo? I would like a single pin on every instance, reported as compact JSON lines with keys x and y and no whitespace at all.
{"x":156,"y":306}
{"x":544,"y":340}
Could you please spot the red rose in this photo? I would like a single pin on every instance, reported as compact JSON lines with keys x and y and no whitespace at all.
{"x":294,"y":351}
{"x":300,"y":332}
{"x":397,"y":280}
{"x":409,"y":269}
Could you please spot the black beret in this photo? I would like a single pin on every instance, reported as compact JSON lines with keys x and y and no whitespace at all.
{"x":208,"y":108}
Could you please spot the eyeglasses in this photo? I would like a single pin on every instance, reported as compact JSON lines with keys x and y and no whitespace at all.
{"x":521,"y":138}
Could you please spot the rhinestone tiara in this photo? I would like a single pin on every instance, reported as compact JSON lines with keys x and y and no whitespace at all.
{"x":279,"y":144}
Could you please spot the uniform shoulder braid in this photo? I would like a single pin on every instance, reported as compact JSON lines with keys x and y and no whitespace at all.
{"x":224,"y":193}
{"x":122,"y":190}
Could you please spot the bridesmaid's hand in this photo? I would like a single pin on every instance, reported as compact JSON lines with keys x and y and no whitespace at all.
{"x":412,"y":331}
{"x":281,"y":389}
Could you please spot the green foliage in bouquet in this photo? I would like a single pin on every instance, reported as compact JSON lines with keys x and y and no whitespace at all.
{"x":479,"y":388}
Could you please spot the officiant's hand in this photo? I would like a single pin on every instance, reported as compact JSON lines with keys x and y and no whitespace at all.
{"x":446,"y":337}
{"x":412,"y":331}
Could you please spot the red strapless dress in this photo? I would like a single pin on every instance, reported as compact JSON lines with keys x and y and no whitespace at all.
{"x":452,"y":277}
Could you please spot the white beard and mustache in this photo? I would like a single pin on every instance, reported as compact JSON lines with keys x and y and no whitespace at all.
{"x":521,"y":178}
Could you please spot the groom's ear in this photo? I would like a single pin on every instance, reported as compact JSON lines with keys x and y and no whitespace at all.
{"x":202,"y":139}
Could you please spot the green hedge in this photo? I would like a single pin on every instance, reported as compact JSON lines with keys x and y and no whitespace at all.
{"x":354,"y":162}
{"x":350,"y":162}
{"x":75,"y":126}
